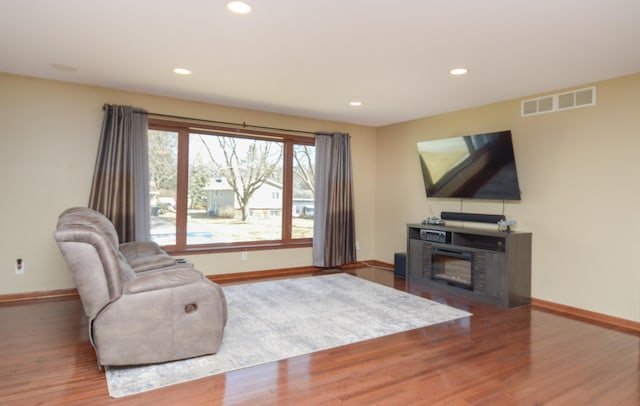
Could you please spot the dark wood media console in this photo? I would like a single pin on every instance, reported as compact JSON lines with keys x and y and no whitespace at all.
{"x":494,"y":266}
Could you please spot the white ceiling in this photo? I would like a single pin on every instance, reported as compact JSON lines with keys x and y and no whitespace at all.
{"x":311,"y":57}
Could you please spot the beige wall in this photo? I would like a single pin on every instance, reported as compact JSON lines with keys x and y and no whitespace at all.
{"x":49,"y":134}
{"x":579,"y":175}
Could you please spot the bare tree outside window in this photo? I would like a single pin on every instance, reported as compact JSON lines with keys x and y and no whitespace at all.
{"x":304,"y":166}
{"x":163,"y":151}
{"x":163,"y":182}
{"x":245,"y":164}
{"x":200,"y":175}
{"x":304,"y":157}
{"x":216,"y":191}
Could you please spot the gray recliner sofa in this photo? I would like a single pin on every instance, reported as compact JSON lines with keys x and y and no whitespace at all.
{"x":158,"y":311}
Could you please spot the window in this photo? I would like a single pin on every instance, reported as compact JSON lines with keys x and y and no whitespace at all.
{"x":215,"y":188}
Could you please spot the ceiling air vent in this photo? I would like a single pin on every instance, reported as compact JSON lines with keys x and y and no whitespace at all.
{"x":561,"y":101}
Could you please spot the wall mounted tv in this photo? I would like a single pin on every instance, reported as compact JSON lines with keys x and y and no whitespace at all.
{"x":480,"y":166}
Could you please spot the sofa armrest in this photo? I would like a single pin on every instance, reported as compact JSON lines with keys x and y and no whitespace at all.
{"x":162,"y":280}
{"x":145,"y":256}
{"x":138,"y":249}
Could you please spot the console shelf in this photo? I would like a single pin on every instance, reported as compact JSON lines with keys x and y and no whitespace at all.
{"x":494,"y":266}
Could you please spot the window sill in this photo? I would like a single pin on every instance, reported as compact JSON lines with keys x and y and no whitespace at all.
{"x":235,"y":247}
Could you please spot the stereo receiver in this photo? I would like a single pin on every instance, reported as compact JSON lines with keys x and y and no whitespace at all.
{"x":440,"y":236}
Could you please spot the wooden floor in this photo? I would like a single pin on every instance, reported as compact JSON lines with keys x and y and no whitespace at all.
{"x":496,"y":357}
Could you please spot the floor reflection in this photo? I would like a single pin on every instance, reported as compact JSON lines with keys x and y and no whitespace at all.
{"x":275,"y":380}
{"x":377,"y":275}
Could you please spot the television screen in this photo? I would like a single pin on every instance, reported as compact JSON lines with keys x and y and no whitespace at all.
{"x":478,"y":166}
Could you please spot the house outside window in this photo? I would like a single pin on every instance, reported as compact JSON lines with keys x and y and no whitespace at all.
{"x":229,"y":191}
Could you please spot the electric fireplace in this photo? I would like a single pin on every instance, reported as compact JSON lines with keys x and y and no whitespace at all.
{"x":451,"y":266}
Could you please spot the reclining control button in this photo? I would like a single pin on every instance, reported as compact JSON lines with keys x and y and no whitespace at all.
{"x":190,"y":308}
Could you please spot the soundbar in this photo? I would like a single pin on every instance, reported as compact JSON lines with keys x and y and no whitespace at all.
{"x":474,"y":217}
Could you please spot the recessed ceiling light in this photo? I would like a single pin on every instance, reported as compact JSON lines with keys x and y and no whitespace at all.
{"x":355,"y":103}
{"x":238,"y":7}
{"x":182,"y":71}
{"x":459,"y":71}
{"x":63,"y":68}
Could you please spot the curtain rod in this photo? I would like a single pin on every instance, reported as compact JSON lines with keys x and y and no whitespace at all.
{"x":243,"y":124}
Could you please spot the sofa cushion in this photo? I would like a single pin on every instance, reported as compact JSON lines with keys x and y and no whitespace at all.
{"x":163,"y":279}
{"x":126,"y":272}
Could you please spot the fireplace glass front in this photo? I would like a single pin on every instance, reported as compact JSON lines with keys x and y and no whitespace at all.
{"x":453,"y":267}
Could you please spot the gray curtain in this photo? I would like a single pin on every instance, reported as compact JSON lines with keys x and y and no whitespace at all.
{"x":334,"y":241}
{"x":120,"y":188}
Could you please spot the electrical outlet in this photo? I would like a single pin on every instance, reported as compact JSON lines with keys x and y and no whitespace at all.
{"x":19,"y":266}
{"x":357,"y":246}
{"x":244,"y":255}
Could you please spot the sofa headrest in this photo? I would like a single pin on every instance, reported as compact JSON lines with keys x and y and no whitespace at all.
{"x":85,"y":216}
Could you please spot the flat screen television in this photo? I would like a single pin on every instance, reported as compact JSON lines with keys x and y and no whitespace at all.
{"x":480,"y":166}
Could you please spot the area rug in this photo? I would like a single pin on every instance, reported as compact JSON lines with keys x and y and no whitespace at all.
{"x":274,"y":320}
